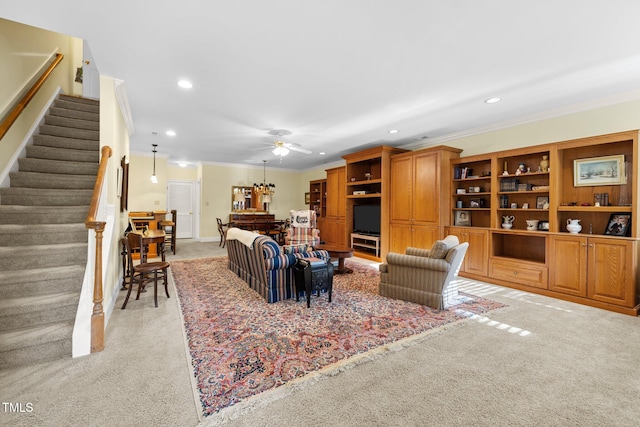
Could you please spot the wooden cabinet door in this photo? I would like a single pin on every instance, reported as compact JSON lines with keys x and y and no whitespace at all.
{"x":401,"y":189}
{"x":333,"y":193}
{"x":426,"y":188}
{"x":400,"y":238}
{"x":424,"y":236}
{"x":476,"y":260}
{"x":341,"y":177}
{"x":568,"y":255}
{"x":611,"y":271}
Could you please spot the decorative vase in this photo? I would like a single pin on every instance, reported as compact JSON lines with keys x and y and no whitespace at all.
{"x":544,"y":163}
{"x":573,"y":226}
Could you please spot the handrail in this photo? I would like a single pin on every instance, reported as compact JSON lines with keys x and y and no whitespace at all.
{"x":20,"y":106}
{"x":97,"y":317}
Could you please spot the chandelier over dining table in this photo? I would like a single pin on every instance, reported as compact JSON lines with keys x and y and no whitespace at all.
{"x":264,"y":188}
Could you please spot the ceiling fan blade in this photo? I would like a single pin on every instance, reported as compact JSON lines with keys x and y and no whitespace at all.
{"x":262,"y":148}
{"x":299,"y":150}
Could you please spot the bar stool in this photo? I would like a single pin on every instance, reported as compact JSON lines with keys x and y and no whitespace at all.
{"x":169,"y":227}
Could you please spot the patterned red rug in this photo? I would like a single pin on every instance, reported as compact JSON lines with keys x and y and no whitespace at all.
{"x":241,"y":346}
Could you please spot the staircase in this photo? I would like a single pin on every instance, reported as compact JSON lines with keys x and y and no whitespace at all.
{"x":43,"y":239}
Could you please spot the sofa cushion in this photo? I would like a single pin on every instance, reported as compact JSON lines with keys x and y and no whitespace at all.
{"x":440,"y":248}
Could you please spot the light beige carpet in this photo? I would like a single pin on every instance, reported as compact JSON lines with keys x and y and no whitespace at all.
{"x":541,"y":362}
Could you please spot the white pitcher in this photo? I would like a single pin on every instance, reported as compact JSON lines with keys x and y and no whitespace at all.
{"x":573,"y":226}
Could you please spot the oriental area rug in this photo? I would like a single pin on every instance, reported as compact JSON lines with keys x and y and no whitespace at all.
{"x":241,"y":346}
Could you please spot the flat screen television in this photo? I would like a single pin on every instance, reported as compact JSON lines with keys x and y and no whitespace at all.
{"x":366,"y":219}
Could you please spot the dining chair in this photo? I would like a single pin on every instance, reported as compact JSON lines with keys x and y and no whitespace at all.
{"x":143,"y":272}
{"x":222,"y":229}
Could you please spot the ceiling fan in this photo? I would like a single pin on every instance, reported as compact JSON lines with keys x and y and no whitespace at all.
{"x":282,"y":148}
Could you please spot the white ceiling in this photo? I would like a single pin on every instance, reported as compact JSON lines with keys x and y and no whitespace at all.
{"x":339,"y":74}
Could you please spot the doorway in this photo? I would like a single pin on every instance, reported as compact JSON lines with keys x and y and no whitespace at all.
{"x":181,"y":197}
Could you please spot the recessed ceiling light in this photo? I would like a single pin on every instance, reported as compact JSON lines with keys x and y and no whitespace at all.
{"x":322,"y":153}
{"x":171,"y":133}
{"x":394,"y":131}
{"x":492,"y":100}
{"x":183,"y":164}
{"x":185,"y":84}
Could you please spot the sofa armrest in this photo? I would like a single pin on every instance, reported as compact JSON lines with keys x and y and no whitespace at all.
{"x":417,"y":262}
{"x":418,"y":252}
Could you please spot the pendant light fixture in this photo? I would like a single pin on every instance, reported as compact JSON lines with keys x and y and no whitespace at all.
{"x":263,"y":188}
{"x":154,"y":178}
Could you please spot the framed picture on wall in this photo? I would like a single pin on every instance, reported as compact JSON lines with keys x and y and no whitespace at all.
{"x":307,"y":198}
{"x":462,"y":218}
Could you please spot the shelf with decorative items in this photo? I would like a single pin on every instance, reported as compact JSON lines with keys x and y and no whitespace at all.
{"x":597,"y":184}
{"x":570,"y":215}
{"x":318,"y":197}
{"x":524,"y":188}
{"x":471,"y":198}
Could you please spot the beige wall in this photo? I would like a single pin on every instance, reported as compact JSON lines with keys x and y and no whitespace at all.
{"x":610,"y":119}
{"x":216,"y":183}
{"x":143,"y":194}
{"x":24,"y":51}
{"x":113,"y":133}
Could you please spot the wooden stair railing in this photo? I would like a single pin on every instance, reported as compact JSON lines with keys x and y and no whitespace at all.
{"x":97,"y":317}
{"x":22,"y":104}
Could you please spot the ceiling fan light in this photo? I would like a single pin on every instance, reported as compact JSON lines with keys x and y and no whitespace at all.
{"x":276,"y":151}
{"x":284,"y":151}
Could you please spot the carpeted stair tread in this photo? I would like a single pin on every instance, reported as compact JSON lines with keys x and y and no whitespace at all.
{"x":58,"y":166}
{"x":73,"y":123}
{"x":43,"y":238}
{"x":34,"y":234}
{"x":37,"y":344}
{"x":41,"y":256}
{"x":35,"y":304}
{"x":78,"y":101}
{"x":72,"y":105}
{"x":74,"y":114}
{"x":11,"y":214}
{"x":17,"y":283}
{"x":69,"y":132}
{"x":51,"y":180}
{"x":50,"y":153}
{"x":53,"y":197}
{"x":63,"y":142}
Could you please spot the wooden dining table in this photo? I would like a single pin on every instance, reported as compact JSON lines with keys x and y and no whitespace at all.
{"x":150,"y":237}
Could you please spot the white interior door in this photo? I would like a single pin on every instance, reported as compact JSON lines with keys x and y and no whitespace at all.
{"x":90,"y":74}
{"x":180,"y":195}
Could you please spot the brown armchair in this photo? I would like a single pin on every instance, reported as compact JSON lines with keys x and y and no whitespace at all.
{"x":424,"y":276}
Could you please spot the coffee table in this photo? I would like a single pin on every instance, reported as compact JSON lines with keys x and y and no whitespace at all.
{"x":340,"y":252}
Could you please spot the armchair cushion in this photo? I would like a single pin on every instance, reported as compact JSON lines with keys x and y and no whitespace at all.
{"x":440,"y":248}
{"x":301,"y":219}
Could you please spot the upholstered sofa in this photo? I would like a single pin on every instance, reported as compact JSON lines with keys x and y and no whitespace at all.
{"x":266,"y":266}
{"x":424,"y":276}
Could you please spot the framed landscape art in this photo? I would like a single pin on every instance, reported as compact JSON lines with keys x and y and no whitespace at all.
{"x":608,"y":170}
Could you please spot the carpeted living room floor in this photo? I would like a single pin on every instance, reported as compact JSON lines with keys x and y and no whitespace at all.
{"x":539,"y":361}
